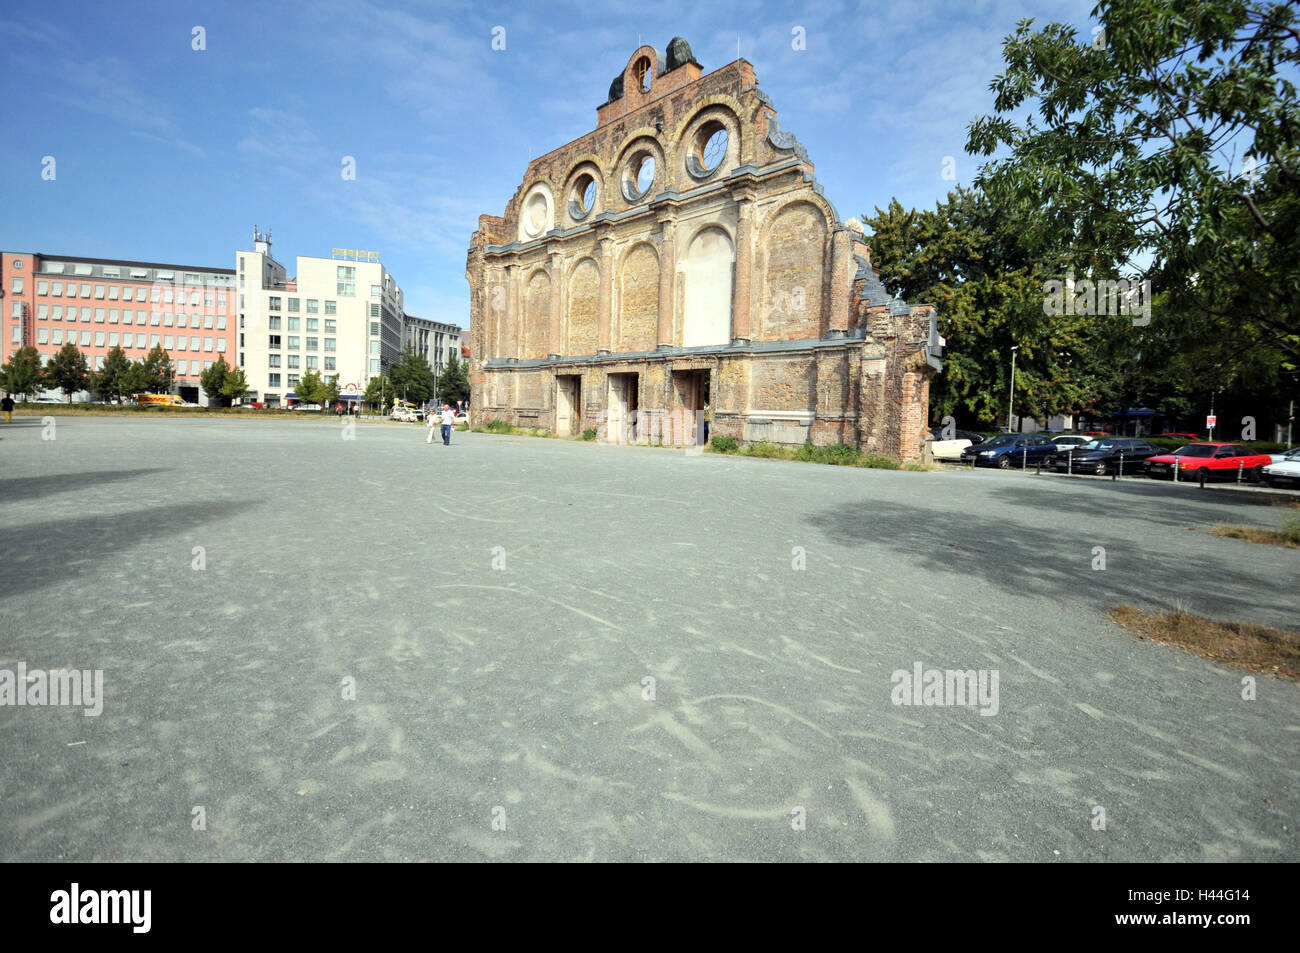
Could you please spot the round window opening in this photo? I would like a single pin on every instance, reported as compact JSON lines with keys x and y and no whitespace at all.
{"x":642,"y":73}
{"x":585,"y":194}
{"x":712,"y":146}
{"x":645,"y":174}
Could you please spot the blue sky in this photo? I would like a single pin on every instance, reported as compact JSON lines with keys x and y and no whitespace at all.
{"x":169,"y":154}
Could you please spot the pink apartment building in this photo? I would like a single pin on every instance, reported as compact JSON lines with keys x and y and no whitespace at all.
{"x":98,"y":304}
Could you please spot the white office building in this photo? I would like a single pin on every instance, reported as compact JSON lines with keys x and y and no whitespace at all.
{"x":433,"y":339}
{"x":338,"y":315}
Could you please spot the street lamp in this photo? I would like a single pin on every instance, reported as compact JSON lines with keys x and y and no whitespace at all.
{"x":1011,"y":398}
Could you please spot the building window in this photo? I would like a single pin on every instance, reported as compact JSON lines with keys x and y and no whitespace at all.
{"x":43,"y":287}
{"x":374,"y":291}
{"x":329,"y":344}
{"x":311,"y":362}
{"x":293,"y":324}
{"x":374,"y":310}
{"x":112,"y":339}
{"x":128,"y":339}
{"x":180,"y":343}
{"x":99,"y":315}
{"x":313,"y":306}
{"x":294,"y":342}
{"x":180,"y":320}
{"x":128,"y":293}
{"x":155,"y":318}
{"x":112,"y":292}
{"x":85,"y":290}
{"x":273,"y":342}
{"x":312,"y":344}
{"x":374,"y":365}
{"x":273,"y":380}
{"x":207,"y":344}
{"x":294,"y":362}
{"x":194,"y":342}
{"x":221,"y":345}
{"x":374,"y":347}
{"x":273,"y":360}
{"x":56,"y":289}
{"x":57,"y":313}
{"x":99,"y":339}
{"x":168,"y":296}
{"x":331,"y":307}
{"x":221,"y":301}
{"x":331,"y":326}
{"x":85,"y":315}
{"x":374,"y":329}
{"x":207,"y":321}
{"x":167,"y":319}
{"x":347,"y":281}
{"x":42,"y":311}
{"x":168,"y":342}
{"x":313,"y":324}
{"x":329,"y":364}
{"x":42,"y":335}
{"x":182,"y":367}
{"x":85,"y":338}
{"x":293,"y":304}
{"x":99,"y":292}
{"x":273,"y":303}
{"x":221,"y":322}
{"x":273,"y":322}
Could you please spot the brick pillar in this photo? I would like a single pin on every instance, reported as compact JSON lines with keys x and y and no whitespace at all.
{"x":740,"y":332}
{"x":556,"y":346}
{"x":512,"y":308}
{"x":667,"y":281}
{"x":835,"y":316}
{"x":606,"y":295}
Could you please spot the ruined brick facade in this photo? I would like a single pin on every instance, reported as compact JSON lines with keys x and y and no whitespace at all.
{"x":680,"y":256}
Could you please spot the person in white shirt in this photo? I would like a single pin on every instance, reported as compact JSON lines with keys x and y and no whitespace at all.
{"x":430,"y":422}
{"x":448,"y":418}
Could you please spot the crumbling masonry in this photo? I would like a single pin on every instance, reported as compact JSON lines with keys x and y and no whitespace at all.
{"x":682,"y":256}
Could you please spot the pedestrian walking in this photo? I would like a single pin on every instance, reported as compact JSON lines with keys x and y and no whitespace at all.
{"x":431,"y":421}
{"x":7,"y":405}
{"x":448,"y":418}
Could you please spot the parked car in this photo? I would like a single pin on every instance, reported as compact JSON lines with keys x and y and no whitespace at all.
{"x":951,"y":448}
{"x":1218,"y":460}
{"x":1279,"y":457}
{"x":1178,"y":436}
{"x":1103,"y":455}
{"x":1067,"y":440}
{"x":1284,"y":472}
{"x":1008,"y":450}
{"x":307,"y":407}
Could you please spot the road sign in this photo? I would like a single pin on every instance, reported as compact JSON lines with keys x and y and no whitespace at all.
{"x":1210,"y":421}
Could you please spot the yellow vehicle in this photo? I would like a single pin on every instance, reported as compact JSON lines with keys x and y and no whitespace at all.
{"x":166,"y":400}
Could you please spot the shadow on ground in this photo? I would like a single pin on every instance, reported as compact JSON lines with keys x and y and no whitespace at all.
{"x":33,"y":488}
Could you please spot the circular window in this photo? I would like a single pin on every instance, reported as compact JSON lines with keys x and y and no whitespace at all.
{"x":642,"y":73}
{"x":713,"y":146}
{"x":645,"y":174}
{"x":582,"y":197}
{"x":709,"y":150}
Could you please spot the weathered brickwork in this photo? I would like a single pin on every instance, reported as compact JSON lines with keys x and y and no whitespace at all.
{"x":680,"y":262}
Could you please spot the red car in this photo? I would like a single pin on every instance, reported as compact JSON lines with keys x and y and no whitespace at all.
{"x":1218,"y":460}
{"x":1179,"y":436}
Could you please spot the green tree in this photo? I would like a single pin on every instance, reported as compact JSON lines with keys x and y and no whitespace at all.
{"x":380,"y":387}
{"x":68,"y":371}
{"x":453,"y":383}
{"x":330,"y":394}
{"x":413,"y":378}
{"x":159,"y":372}
{"x":107,"y":381}
{"x":23,"y":374}
{"x":310,"y":389}
{"x":235,"y":386}
{"x":965,"y":258}
{"x":135,"y":380}
{"x":1167,"y":149}
{"x":213,"y":381}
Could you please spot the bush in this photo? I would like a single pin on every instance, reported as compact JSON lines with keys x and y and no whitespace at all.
{"x":497,"y":425}
{"x":724,"y":445}
{"x":589,"y":434}
{"x":761,"y":448}
{"x":880,"y":463}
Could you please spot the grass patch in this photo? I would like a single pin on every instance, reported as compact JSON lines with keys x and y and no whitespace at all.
{"x":1243,"y":645}
{"x":836,"y":455}
{"x":724,"y":445}
{"x":497,"y":425}
{"x":589,"y":434}
{"x":762,"y":448}
{"x":1288,"y":535}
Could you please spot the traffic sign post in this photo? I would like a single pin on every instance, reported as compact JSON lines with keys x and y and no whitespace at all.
{"x":1210,"y":421}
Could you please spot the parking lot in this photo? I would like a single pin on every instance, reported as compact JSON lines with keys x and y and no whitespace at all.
{"x":567,"y":651}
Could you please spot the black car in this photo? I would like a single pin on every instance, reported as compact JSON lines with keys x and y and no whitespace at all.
{"x":1008,"y":450}
{"x":1103,"y":455}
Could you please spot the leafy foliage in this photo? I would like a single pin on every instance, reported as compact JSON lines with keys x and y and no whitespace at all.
{"x":23,"y":374}
{"x":68,"y":371}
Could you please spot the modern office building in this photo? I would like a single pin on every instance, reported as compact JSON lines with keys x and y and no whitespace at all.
{"x":340,"y":315}
{"x":437,"y":341}
{"x":98,"y":304}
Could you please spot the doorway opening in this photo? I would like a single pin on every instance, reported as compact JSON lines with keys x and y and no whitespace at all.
{"x":689,"y":418}
{"x":568,"y":405}
{"x":622,"y":408}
